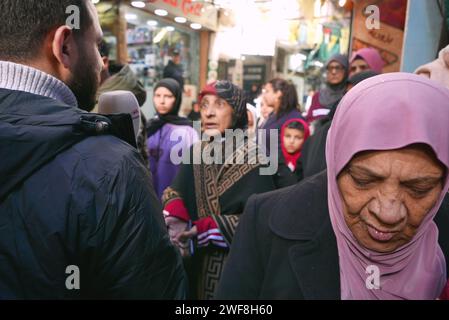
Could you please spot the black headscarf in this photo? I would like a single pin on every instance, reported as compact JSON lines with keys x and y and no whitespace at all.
{"x":172,"y":117}
{"x":233,"y":95}
{"x":332,"y":93}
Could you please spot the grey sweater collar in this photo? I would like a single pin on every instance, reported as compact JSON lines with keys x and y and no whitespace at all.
{"x":19,"y":77}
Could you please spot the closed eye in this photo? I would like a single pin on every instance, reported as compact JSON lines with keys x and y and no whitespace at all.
{"x":362,"y":182}
{"x":421,"y":189}
{"x":362,"y":179}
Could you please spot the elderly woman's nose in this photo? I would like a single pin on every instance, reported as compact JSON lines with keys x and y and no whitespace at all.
{"x":388,"y":209}
{"x":210,"y":112}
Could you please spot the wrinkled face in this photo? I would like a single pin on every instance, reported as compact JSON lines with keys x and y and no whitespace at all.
{"x":272,"y":97}
{"x":216,"y":115}
{"x":293,"y":140}
{"x":357,"y":66}
{"x":387,"y":194}
{"x":163,"y":100}
{"x":335,"y":73}
{"x":85,"y":78}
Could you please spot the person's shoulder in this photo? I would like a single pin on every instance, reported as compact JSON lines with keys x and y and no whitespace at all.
{"x":295,"y":113}
{"x":295,"y":212}
{"x":182,"y":130}
{"x":106,"y":155}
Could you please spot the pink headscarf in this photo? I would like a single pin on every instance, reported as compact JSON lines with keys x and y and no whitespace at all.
{"x":371,"y":57}
{"x":389,"y":112}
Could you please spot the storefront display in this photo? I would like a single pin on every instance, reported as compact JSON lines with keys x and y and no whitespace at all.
{"x":138,"y":36}
{"x":151,"y":43}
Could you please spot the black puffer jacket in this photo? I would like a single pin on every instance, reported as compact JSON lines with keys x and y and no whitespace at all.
{"x":68,"y":198}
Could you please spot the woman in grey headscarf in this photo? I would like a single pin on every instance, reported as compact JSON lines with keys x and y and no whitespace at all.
{"x":337,"y":74}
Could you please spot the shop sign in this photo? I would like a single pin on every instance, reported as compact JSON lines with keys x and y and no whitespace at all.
{"x":253,"y":74}
{"x":204,"y":14}
{"x":387,"y":37}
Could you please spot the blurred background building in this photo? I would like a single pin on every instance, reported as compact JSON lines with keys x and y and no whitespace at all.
{"x":252,"y":41}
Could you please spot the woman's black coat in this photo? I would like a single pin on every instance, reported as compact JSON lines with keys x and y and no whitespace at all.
{"x":285,"y":247}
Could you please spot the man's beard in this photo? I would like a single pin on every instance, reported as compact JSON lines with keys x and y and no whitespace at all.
{"x":84,"y":84}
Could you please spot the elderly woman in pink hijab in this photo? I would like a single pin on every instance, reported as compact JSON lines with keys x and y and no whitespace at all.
{"x":365,"y":59}
{"x":374,"y":226}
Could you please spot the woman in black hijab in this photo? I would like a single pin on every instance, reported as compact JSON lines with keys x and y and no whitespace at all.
{"x":167,"y":100}
{"x":204,"y":203}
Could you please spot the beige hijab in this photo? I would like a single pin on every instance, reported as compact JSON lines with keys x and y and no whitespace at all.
{"x":438,"y":69}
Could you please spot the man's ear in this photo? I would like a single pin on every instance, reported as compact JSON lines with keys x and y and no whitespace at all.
{"x":64,"y":47}
{"x":105,"y":63}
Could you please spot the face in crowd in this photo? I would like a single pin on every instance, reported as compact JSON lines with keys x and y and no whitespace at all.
{"x":80,"y":61}
{"x":335,"y":73}
{"x":357,"y":66}
{"x":293,"y":140}
{"x":387,"y":194}
{"x":216,"y":115}
{"x":265,"y":108}
{"x":163,"y":100}
{"x":272,"y":97}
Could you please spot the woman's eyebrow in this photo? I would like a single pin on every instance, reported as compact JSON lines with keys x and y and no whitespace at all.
{"x":364,"y":170}
{"x":424,"y":180}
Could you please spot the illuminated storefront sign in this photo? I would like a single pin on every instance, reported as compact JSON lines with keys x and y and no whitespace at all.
{"x":204,"y":14}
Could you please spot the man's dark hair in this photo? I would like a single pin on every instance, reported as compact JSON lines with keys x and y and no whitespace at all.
{"x":24,"y":24}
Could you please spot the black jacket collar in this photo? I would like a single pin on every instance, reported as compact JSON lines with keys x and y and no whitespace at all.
{"x":316,"y":266}
{"x":314,"y":254}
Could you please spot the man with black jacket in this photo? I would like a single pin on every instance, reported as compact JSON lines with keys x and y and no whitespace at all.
{"x":174,"y":69}
{"x":78,"y":214}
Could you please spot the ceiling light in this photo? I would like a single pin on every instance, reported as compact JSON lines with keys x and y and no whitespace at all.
{"x":180,"y":19}
{"x":161,"y":12}
{"x":196,"y":26}
{"x":138,"y":4}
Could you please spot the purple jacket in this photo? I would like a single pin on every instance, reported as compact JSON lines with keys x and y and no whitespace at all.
{"x":160,"y":145}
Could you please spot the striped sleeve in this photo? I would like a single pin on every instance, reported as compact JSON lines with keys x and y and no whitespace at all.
{"x":216,"y":230}
{"x":227,"y":225}
{"x":209,"y":233}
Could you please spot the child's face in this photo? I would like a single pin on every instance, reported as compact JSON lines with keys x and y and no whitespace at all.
{"x":265,"y":109}
{"x":293,"y":140}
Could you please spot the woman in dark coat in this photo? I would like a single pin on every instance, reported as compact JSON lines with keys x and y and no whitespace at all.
{"x":378,"y":235}
{"x":208,"y":197}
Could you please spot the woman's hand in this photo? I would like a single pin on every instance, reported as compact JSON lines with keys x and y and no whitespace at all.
{"x":183,"y":240}
{"x":175,"y":227}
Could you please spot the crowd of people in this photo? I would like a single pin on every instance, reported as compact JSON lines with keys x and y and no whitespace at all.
{"x":357,"y":207}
